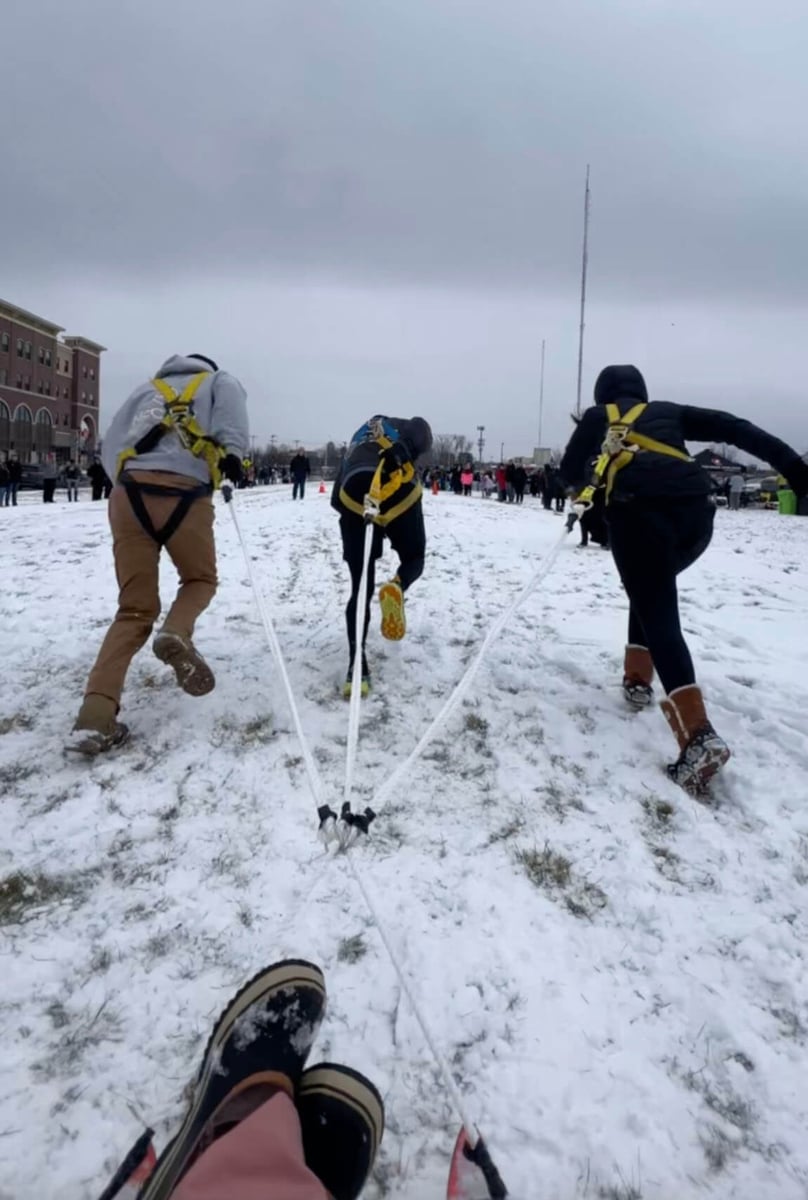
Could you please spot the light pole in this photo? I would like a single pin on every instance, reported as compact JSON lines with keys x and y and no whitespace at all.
{"x":480,"y":442}
{"x":501,"y":451}
{"x":541,"y":391}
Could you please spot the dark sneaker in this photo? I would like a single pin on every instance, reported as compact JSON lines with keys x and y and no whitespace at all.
{"x":258,"y":1046}
{"x":96,"y":729}
{"x":342,"y":1122}
{"x":638,"y":695}
{"x":700,"y":761}
{"x":193,"y":674}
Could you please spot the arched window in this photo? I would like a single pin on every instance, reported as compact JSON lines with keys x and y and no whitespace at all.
{"x":87,"y":435}
{"x":43,"y":434}
{"x":23,"y":433}
{"x":5,"y":428}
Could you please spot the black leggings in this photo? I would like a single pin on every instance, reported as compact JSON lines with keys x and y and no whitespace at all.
{"x":408,"y":539}
{"x":652,"y":542}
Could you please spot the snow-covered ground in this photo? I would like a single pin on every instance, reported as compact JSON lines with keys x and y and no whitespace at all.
{"x":616,"y":972}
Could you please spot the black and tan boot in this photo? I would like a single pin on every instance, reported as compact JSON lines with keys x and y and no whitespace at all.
{"x":638,"y":675}
{"x":702,"y":753}
{"x":258,"y":1047}
{"x":96,"y":729}
{"x":342,"y":1122}
{"x":193,"y":674}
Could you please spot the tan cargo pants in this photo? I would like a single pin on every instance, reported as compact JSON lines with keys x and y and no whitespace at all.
{"x":137,"y":556}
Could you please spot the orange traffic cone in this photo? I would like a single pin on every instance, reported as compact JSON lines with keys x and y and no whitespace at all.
{"x":322,"y":487}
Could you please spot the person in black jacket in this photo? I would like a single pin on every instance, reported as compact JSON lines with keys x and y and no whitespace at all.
{"x":393,"y":444}
{"x":299,"y":469}
{"x":660,"y":518}
{"x":97,"y":476}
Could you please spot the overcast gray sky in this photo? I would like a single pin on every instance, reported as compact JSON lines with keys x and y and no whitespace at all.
{"x":376,"y":205}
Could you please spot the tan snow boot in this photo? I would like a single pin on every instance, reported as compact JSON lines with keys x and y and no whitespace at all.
{"x":96,"y":729}
{"x":193,"y":674}
{"x":638,"y":674}
{"x":702,"y":752}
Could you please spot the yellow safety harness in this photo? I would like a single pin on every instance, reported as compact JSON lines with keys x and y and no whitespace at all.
{"x":619,"y":447}
{"x":179,"y":418}
{"x":379,"y":491}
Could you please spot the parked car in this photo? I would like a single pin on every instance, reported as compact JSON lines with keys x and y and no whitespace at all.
{"x":33,"y":476}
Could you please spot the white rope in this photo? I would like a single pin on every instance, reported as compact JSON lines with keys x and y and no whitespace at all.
{"x":471,"y":1130}
{"x":404,"y":769}
{"x":356,"y":672}
{"x":314,"y":777}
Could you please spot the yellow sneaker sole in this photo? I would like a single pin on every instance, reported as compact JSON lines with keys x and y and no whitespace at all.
{"x":394,"y":623}
{"x":364,"y":689}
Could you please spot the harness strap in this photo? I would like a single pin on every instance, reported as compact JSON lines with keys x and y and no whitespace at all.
{"x":179,"y":417}
{"x":620,"y":446}
{"x":185,"y":498}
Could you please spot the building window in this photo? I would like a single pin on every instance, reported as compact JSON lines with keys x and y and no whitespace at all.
{"x":28,"y":350}
{"x":20,"y":348}
{"x":47,"y":388}
{"x":27,"y":383}
{"x":3,"y":375}
{"x":48,"y":358}
{"x":92,"y":372}
{"x":67,"y":392}
{"x":5,"y":341}
{"x":41,"y":355}
{"x":19,"y":381}
{"x":23,"y":433}
{"x":84,"y":372}
{"x":43,"y":433}
{"x":5,"y":428}
{"x":40,"y":387}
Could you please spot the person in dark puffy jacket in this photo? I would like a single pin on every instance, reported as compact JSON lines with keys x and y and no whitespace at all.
{"x":395,"y":444}
{"x":660,"y":513}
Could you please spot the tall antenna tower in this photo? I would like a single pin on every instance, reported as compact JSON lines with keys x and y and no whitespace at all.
{"x":585,"y":260}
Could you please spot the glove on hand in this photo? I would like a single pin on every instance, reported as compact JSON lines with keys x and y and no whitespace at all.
{"x":797,"y":476}
{"x":232,"y":468}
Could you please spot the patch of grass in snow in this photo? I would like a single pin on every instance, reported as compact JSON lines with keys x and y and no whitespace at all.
{"x":351,"y":949}
{"x":14,"y":773}
{"x":22,"y":895}
{"x":77,"y":1034}
{"x":790,"y":1024}
{"x":552,"y":873}
{"x":18,"y":721}
{"x":659,"y":812}
{"x":619,"y":1191}
{"x":507,"y":831}
{"x":558,"y":801}
{"x":256,"y":732}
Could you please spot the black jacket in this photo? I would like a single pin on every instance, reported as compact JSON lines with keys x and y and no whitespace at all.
{"x":299,"y":467}
{"x":362,"y":458}
{"x":651,"y":475}
{"x":14,"y":470}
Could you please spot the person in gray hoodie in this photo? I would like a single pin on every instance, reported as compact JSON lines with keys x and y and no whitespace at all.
{"x":168,"y":447}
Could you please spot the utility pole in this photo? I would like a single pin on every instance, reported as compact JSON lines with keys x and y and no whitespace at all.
{"x":541,"y":391}
{"x":585,"y":259}
{"x":480,"y":442}
{"x":501,"y":451}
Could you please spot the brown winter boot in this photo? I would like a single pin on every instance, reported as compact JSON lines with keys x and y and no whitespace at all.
{"x":96,"y":729}
{"x":702,"y":752}
{"x":193,"y":674}
{"x":638,"y":674}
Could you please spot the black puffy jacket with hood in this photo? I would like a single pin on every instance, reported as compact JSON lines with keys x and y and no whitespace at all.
{"x":652,"y":475}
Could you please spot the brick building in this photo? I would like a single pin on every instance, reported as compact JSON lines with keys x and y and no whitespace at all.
{"x":49,"y":389}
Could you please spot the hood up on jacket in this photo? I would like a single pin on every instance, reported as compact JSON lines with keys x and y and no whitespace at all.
{"x":620,"y":383}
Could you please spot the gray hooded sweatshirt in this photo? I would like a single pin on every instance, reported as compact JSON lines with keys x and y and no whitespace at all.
{"x":220,"y":407}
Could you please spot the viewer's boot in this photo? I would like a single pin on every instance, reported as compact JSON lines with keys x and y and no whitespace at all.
{"x":702,"y":752}
{"x":258,"y":1048}
{"x":96,"y":729}
{"x":342,"y":1122}
{"x":193,"y":674}
{"x":638,"y":674}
